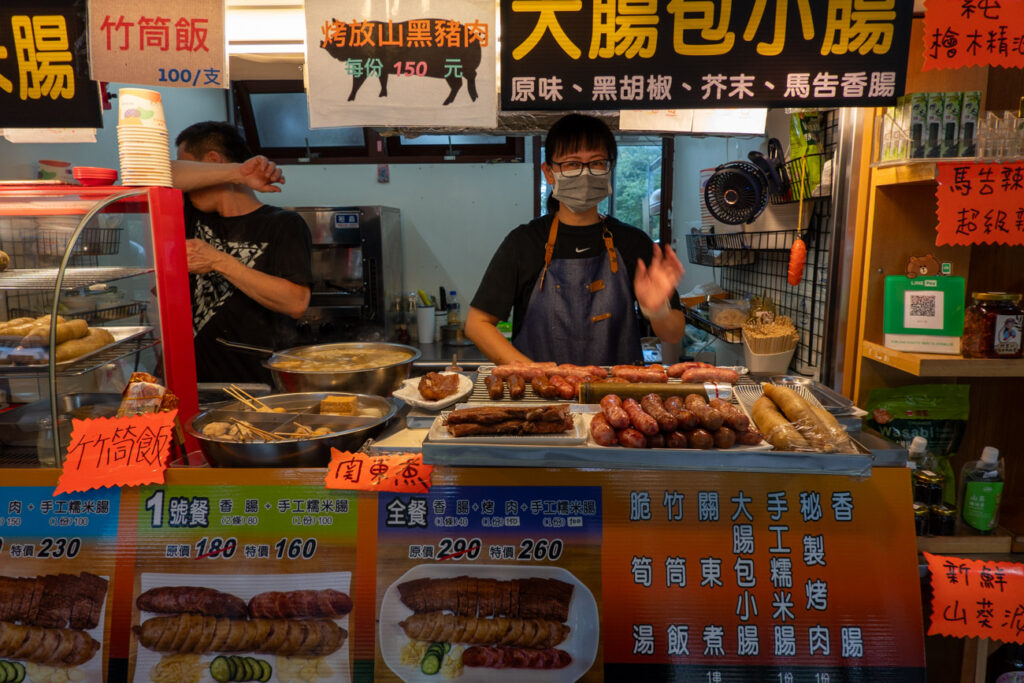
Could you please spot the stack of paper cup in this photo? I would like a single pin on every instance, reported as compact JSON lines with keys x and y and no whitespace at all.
{"x":142,"y":138}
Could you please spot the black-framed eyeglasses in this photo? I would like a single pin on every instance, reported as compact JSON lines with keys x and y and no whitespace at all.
{"x":571,"y":169}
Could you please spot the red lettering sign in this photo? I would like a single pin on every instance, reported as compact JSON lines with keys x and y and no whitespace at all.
{"x":977,"y":598}
{"x":980,"y":203}
{"x":400,"y":473}
{"x":973,"y":33}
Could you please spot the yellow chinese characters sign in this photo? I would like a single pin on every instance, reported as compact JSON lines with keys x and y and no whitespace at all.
{"x":43,"y":70}
{"x":641,"y":54}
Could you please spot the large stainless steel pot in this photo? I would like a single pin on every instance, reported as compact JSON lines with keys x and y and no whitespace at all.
{"x":375,"y":414}
{"x":380,"y":381}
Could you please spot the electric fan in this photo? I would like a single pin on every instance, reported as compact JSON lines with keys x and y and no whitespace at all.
{"x":737,"y":191}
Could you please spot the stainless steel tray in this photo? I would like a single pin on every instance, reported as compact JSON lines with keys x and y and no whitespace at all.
{"x":121,"y":335}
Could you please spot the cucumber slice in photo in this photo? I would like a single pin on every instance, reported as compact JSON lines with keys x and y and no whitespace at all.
{"x":220,"y":669}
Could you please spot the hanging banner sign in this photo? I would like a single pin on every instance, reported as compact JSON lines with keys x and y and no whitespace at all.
{"x":176,"y":43}
{"x":423,"y":69}
{"x":980,"y":204}
{"x":973,"y":33}
{"x":588,"y":54}
{"x":44,"y":67}
{"x":117,"y":451}
{"x":976,"y":598}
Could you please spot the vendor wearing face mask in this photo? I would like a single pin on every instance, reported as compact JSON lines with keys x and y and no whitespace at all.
{"x":573,"y":278}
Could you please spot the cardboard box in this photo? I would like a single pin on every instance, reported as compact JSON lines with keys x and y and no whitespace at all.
{"x":924,"y":314}
{"x":951,"y":104}
{"x":917,"y":122}
{"x":933,"y":126}
{"x":970,"y":114}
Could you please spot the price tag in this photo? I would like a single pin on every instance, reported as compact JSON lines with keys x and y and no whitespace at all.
{"x":117,"y":451}
{"x":976,"y":598}
{"x":402,"y":473}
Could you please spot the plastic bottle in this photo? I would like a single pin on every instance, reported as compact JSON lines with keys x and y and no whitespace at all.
{"x":1006,"y":665}
{"x":916,"y":451}
{"x":981,"y":488}
{"x":453,"y":309}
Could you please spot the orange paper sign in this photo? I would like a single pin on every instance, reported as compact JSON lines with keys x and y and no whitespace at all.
{"x":117,"y":451}
{"x":980,"y":203}
{"x":402,"y":473}
{"x":960,"y":33}
{"x":977,"y":598}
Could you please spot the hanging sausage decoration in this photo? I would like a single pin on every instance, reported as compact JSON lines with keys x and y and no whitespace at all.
{"x":798,"y":252}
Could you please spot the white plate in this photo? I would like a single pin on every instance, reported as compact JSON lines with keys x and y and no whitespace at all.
{"x":583,"y":622}
{"x":576,"y":435}
{"x":245,"y":586}
{"x":410,"y":393}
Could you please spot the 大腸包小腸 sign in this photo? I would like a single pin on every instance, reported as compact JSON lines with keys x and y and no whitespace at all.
{"x":177,"y":43}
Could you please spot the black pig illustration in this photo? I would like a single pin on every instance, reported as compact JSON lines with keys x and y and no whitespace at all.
{"x":374,"y":42}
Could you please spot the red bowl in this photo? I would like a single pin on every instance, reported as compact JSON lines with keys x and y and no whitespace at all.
{"x":91,"y":175}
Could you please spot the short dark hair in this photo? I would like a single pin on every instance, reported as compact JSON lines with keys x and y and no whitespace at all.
{"x":200,"y":138}
{"x":576,"y":131}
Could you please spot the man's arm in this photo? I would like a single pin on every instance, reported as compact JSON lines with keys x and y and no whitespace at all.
{"x":258,"y":173}
{"x":482,"y":331}
{"x":655,"y":287}
{"x":272,"y":292}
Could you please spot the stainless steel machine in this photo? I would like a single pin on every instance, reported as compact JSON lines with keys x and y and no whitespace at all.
{"x":357,"y":271}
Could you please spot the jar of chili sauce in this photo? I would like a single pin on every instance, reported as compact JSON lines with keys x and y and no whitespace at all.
{"x":992,"y":326}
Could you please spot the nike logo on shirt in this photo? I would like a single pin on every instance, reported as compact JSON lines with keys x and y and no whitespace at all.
{"x":580,"y":251}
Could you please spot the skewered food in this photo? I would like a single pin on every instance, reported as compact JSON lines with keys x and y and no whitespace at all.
{"x":440,"y":627}
{"x":502,"y":657}
{"x":50,"y":646}
{"x":193,"y":599}
{"x":434,"y":386}
{"x":196,"y":633}
{"x":53,"y":600}
{"x":473,"y":597}
{"x":301,"y":604}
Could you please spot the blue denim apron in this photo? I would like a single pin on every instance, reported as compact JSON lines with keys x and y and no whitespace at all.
{"x":581,"y":310}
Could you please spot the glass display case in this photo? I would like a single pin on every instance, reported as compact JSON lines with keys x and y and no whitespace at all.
{"x":93,"y":287}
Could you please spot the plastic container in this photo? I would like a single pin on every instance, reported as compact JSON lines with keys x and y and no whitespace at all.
{"x":728,"y":314}
{"x":777,"y":363}
{"x":981,"y":490}
{"x":916,"y":451}
{"x":453,"y":309}
{"x":992,"y":326}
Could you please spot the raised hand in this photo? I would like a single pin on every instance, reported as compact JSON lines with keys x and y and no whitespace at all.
{"x":261,"y":174}
{"x":654,"y":284}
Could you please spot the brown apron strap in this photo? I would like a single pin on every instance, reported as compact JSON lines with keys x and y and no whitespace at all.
{"x":613,"y":258}
{"x":549,"y":249}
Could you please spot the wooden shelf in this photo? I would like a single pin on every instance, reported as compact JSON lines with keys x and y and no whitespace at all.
{"x":999,"y":542}
{"x":939,"y":365}
{"x":909,"y":173}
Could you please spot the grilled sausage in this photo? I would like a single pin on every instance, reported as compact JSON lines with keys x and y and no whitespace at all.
{"x":700,"y":438}
{"x":676,"y":439}
{"x":652,"y":405}
{"x":724,"y":438}
{"x":611,"y":406}
{"x":495,"y":387}
{"x":710,"y":419}
{"x":733,"y":416}
{"x":516,"y":387}
{"x":543,"y":387}
{"x":750,"y":437}
{"x":602,"y":431}
{"x":564,"y":389}
{"x":724,"y":375}
{"x":656,"y":440}
{"x":640,"y":420}
{"x":631,"y":438}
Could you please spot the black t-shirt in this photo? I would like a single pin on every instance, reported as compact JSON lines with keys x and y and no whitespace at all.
{"x":270,"y":240}
{"x":516,"y":265}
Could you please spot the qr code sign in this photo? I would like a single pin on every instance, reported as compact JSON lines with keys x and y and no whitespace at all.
{"x":922,"y":305}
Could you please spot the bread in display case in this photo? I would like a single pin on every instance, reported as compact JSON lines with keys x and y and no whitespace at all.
{"x":95,"y":288}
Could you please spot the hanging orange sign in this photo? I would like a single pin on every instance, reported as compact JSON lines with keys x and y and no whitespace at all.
{"x":401,"y":473}
{"x":117,"y":451}
{"x":976,"y":598}
{"x":980,"y":204}
{"x":973,"y":33}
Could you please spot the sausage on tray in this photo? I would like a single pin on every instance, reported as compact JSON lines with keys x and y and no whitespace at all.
{"x":495,"y":387}
{"x":611,"y":406}
{"x":676,"y":439}
{"x":724,"y":375}
{"x":631,"y":438}
{"x":677,"y":369}
{"x":700,"y":438}
{"x":656,"y":440}
{"x":733,"y":416}
{"x":516,"y":387}
{"x":640,"y":420}
{"x":543,"y":387}
{"x":685,"y":418}
{"x":602,"y":431}
{"x":724,"y":438}
{"x":750,"y":437}
{"x":652,"y":405}
{"x":564,"y":389}
{"x":710,"y":419}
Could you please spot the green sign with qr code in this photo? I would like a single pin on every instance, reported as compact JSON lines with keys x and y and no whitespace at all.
{"x":924,"y":314}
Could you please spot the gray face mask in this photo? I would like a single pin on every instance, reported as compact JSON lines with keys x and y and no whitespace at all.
{"x":582,"y":192}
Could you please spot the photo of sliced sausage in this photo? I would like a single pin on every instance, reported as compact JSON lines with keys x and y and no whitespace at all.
{"x":564,"y":389}
{"x":751,"y":437}
{"x":676,"y":439}
{"x":631,"y":438}
{"x":710,"y":419}
{"x":611,"y":406}
{"x":652,"y":405}
{"x":700,"y":438}
{"x":724,"y":438}
{"x":641,"y":421}
{"x":495,"y":387}
{"x":602,"y":431}
{"x":733,"y":416}
{"x":516,"y":387}
{"x":656,"y":440}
